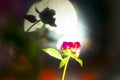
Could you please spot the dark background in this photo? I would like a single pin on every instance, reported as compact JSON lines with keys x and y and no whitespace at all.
{"x":19,"y":51}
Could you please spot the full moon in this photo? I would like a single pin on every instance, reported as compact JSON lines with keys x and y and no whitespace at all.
{"x":66,"y":20}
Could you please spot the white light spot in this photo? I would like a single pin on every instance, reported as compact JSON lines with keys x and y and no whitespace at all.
{"x":68,"y":26}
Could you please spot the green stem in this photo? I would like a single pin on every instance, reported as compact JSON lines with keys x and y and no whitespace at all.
{"x":64,"y":71}
{"x":33,"y":25}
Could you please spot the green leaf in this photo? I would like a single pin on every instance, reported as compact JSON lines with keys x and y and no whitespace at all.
{"x":53,"y":52}
{"x":79,"y":61}
{"x":63,"y":62}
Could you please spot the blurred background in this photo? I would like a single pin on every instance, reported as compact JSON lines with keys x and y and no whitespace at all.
{"x":21,"y":55}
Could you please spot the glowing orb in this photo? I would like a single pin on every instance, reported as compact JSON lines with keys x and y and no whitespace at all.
{"x":68,"y":25}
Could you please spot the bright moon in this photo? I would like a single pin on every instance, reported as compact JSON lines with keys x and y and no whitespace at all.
{"x":67,"y":23}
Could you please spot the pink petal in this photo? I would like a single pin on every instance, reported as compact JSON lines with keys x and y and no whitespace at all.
{"x":77,"y":44}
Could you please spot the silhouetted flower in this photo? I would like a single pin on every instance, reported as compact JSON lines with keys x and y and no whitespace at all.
{"x":46,"y":16}
{"x":73,"y":47}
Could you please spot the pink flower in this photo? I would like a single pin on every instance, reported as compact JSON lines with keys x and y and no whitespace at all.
{"x":74,"y":47}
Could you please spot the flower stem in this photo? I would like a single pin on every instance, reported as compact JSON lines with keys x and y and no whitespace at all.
{"x":33,"y":25}
{"x":64,"y":71}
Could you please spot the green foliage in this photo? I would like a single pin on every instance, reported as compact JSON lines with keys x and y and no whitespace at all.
{"x":63,"y":62}
{"x":53,"y":52}
{"x":79,"y":61}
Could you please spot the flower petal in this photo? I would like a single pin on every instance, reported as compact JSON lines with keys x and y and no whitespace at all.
{"x":64,"y":45}
{"x":77,"y":45}
{"x":71,"y":44}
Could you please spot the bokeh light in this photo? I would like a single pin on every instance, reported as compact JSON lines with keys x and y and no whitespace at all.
{"x":69,"y":27}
